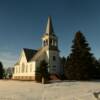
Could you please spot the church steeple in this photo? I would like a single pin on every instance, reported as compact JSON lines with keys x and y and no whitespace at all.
{"x":49,"y":27}
{"x":49,"y":38}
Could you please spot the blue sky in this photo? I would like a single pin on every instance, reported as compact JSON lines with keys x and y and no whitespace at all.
{"x":23,"y":22}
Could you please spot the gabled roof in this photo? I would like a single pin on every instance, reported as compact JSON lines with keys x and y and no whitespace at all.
{"x":29,"y":53}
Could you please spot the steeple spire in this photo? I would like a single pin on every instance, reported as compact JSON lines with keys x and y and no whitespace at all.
{"x":49,"y":27}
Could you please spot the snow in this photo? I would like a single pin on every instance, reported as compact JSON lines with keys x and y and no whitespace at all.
{"x":60,"y":90}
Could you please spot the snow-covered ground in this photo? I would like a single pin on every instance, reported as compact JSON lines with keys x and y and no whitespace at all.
{"x":30,"y":90}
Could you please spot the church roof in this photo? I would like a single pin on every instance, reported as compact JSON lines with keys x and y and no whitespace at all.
{"x":29,"y":53}
{"x":49,"y":27}
{"x":40,"y":53}
{"x":17,"y":63}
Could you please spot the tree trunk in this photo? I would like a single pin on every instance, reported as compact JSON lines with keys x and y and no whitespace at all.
{"x":43,"y":80}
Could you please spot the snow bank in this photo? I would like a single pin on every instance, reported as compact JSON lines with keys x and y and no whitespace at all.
{"x":30,"y":90}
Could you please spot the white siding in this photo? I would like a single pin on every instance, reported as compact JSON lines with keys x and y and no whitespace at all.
{"x":55,"y":66}
{"x":24,"y":68}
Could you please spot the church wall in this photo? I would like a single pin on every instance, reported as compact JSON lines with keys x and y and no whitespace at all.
{"x":54,"y":61}
{"x":28,"y":73}
{"x":22,"y":58}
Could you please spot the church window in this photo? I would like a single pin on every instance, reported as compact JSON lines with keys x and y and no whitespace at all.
{"x":54,"y":58}
{"x":26,"y":68}
{"x":23,"y":67}
{"x":31,"y":68}
{"x":46,"y":42}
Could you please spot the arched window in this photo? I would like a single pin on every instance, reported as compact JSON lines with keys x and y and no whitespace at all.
{"x":23,"y":67}
{"x":46,"y":42}
{"x":30,"y":67}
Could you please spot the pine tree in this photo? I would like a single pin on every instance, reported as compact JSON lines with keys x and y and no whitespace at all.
{"x":79,"y":64}
{"x":63,"y":61}
{"x":97,"y":69}
{"x":1,"y":70}
{"x":44,"y":71}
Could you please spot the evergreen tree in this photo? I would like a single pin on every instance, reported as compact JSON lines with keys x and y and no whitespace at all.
{"x":1,"y":70}
{"x":44,"y":71}
{"x":97,"y":71}
{"x":79,"y":64}
{"x":63,"y":61}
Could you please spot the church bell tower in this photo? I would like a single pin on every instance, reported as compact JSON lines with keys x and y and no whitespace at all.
{"x":50,"y":40}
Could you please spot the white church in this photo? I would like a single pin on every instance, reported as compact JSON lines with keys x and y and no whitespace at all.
{"x":29,"y":60}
